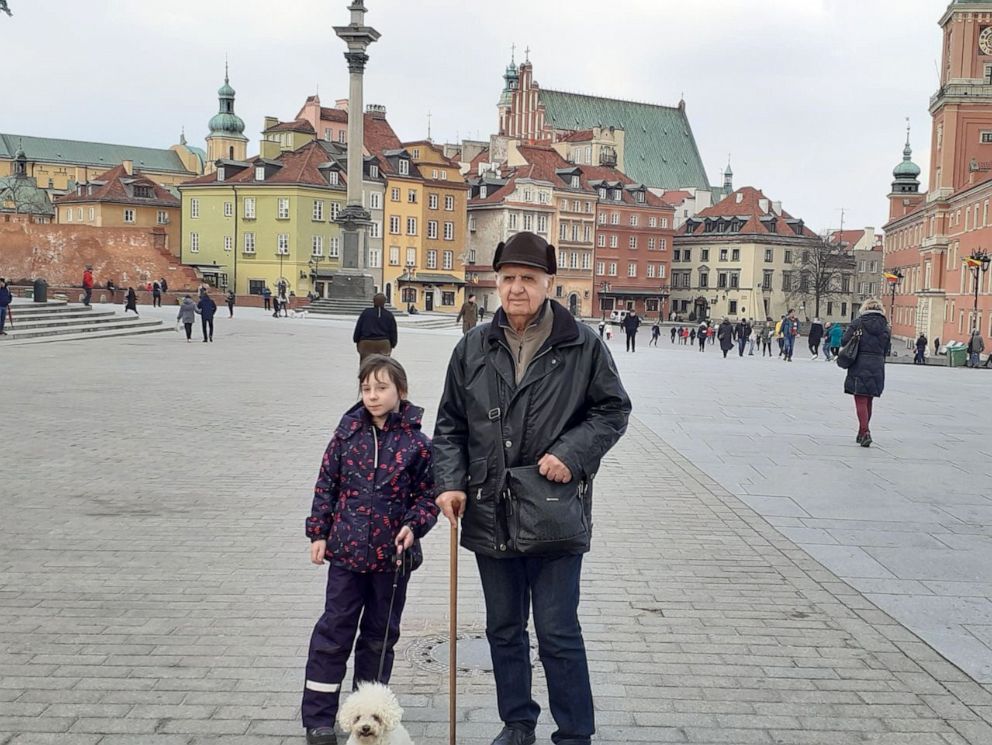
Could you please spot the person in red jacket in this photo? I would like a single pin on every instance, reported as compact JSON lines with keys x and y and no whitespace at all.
{"x":87,"y":285}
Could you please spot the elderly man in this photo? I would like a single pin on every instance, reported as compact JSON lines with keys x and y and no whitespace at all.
{"x":469,"y":314}
{"x":531,"y":404}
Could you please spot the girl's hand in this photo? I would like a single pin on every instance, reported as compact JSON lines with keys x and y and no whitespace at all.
{"x":404,"y":539}
{"x":317,"y":551}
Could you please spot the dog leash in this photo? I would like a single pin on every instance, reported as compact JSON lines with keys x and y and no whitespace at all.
{"x":400,"y":568}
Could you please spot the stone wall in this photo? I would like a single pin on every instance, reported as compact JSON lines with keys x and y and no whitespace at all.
{"x":59,"y":253}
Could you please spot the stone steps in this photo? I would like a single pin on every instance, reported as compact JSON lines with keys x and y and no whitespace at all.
{"x":59,"y":321}
{"x":345,"y":307}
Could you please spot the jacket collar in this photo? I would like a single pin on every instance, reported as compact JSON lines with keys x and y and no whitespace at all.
{"x":357,"y":418}
{"x":564,"y":328}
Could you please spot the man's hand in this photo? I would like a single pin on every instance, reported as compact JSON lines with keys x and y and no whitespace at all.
{"x":404,"y":539}
{"x":317,"y":551}
{"x":452,"y":504}
{"x":553,"y":469}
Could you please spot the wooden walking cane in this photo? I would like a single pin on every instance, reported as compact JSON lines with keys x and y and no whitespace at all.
{"x":453,"y":634}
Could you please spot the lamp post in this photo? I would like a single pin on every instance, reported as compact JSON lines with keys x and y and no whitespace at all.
{"x":314,"y":264}
{"x":894,"y":277}
{"x":604,"y":287}
{"x":978,"y":263}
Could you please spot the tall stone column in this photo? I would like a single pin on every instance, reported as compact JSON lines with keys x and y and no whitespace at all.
{"x":354,"y":218}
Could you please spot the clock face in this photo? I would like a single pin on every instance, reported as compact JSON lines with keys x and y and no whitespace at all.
{"x":985,"y":40}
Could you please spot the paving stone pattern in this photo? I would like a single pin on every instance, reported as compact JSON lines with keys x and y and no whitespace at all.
{"x":154,"y":586}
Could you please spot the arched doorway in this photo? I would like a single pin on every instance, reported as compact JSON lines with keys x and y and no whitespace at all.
{"x":389,"y":292}
{"x":702,"y":308}
{"x":573,"y":304}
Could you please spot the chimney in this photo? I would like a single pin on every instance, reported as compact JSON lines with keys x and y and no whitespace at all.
{"x":763,"y":205}
{"x":777,"y":208}
{"x":269,"y":122}
{"x":341,"y":103}
{"x":128,"y":167}
{"x":376,"y":111}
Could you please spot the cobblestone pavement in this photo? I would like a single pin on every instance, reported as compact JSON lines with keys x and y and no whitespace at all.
{"x":154,"y":585}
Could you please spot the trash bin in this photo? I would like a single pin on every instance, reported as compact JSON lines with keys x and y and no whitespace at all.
{"x":957,"y":356}
{"x":40,"y":291}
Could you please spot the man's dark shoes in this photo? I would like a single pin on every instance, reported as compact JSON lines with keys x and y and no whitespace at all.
{"x":321,"y":736}
{"x":510,"y":736}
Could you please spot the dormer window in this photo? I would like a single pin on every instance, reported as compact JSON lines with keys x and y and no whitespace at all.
{"x":575,"y":182}
{"x":618,"y":195}
{"x":483,"y":191}
{"x":220,"y":173}
{"x":640,"y":197}
{"x":374,"y":171}
{"x":260,"y":173}
{"x":404,"y":167}
{"x":602,"y":192}
{"x":143,"y":192}
{"x":333,"y":178}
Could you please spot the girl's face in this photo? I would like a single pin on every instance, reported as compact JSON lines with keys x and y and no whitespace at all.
{"x":380,"y":395}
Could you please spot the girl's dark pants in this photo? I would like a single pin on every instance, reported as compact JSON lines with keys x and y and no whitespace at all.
{"x":189,"y":330}
{"x":208,"y":328}
{"x":354,"y":602}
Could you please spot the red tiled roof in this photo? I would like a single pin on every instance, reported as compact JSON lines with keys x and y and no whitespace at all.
{"x":581,"y":135}
{"x":333,"y":115}
{"x":750,"y":208}
{"x":606,"y":173}
{"x":676,"y":197}
{"x":445,"y":160}
{"x":848,"y":237}
{"x":300,"y":125}
{"x":482,"y":157}
{"x":497,"y":196}
{"x":114,"y":189}
{"x":298,"y":167}
{"x":544,"y":161}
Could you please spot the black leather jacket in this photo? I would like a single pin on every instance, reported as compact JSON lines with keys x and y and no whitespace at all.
{"x":570,"y":403}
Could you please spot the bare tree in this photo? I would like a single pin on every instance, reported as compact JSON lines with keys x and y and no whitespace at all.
{"x":826,"y":272}
{"x":22,"y":196}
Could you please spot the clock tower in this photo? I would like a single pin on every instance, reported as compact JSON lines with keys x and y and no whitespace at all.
{"x":961,"y":145}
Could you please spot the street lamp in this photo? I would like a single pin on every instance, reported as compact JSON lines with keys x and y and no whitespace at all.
{"x":604,"y":287}
{"x":894,"y":278}
{"x":314,"y":264}
{"x":978,"y":263}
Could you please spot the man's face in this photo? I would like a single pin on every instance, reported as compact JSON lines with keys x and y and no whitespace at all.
{"x":522,"y":289}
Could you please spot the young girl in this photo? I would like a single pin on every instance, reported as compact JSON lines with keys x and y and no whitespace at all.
{"x":372,"y":503}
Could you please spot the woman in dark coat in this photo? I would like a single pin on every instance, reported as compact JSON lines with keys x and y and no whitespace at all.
{"x":726,"y":336}
{"x":375,"y":331}
{"x":866,"y":377}
{"x":131,"y":302}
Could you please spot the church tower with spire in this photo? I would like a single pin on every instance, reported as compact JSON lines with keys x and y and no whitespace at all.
{"x":226,"y":139}
{"x":905,"y":195}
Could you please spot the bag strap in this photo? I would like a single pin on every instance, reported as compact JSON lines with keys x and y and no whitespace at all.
{"x":496,"y":416}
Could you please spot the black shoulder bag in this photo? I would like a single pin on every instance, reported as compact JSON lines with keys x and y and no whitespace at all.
{"x":542,"y":516}
{"x":848,"y":353}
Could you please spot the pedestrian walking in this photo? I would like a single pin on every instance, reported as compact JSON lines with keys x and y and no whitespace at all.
{"x":766,"y":340}
{"x":112,"y":290}
{"x":482,"y":313}
{"x":207,"y":309}
{"x":726,"y":336}
{"x":692,"y":336}
{"x":602,"y":326}
{"x":779,"y":338}
{"x":815,"y":337}
{"x":701,"y":336}
{"x":164,"y":285}
{"x":468,"y":314}
{"x":533,"y":351}
{"x":936,"y":346}
{"x":156,"y":294}
{"x":835,"y":338}
{"x":186,"y":316}
{"x":752,"y":339}
{"x":372,"y":504}
{"x":6,"y":299}
{"x":375,"y":330}
{"x":674,"y":332}
{"x":266,"y":298}
{"x":741,"y":331}
{"x":922,"y":344}
{"x":976,"y":345}
{"x":630,"y":325}
{"x":866,"y":376}
{"x":231,"y":299}
{"x":655,"y":334}
{"x":131,"y":301}
{"x":87,"y":285}
{"x":710,"y":333}
{"x":790,"y":332}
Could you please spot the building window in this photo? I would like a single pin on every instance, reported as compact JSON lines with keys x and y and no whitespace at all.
{"x":260,"y":173}
{"x":448,"y":260}
{"x":662,"y":244}
{"x":723,"y":254}
{"x":733,"y":307}
{"x":633,"y":221}
{"x":375,"y":257}
{"x":342,"y":136}
{"x":575,"y":182}
{"x":650,"y":271}
{"x":562,"y":232}
{"x":987,"y":135}
{"x":586,"y":260}
{"x":449,"y":203}
{"x":587,"y":233}
{"x":318,"y":209}
{"x":394,"y":194}
{"x":374,"y":171}
{"x":79,"y":214}
{"x":194,"y":243}
{"x":282,"y":244}
{"x":704,"y":280}
{"x":228,"y":243}
{"x":92,"y":214}
{"x":194,"y":208}
{"x":542,"y":224}
{"x":613,"y":241}
{"x":613,"y":268}
{"x":249,"y":243}
{"x":411,"y":257}
{"x":528,"y":221}
{"x":447,"y":297}
{"x":375,"y":200}
{"x":614,"y":218}
{"x":228,"y":209}
{"x":327,"y":136}
{"x":449,"y":230}
{"x":766,"y":279}
{"x":411,"y":196}
{"x":432,"y":229}
{"x":404,"y":167}
{"x":686,"y":254}
{"x":411,"y":226}
{"x":721,"y":280}
{"x":650,"y":244}
{"x":513,"y":221}
{"x":843,"y":309}
{"x":632,"y":242}
{"x":735,"y":280}
{"x":768,"y":255}
{"x":600,"y":267}
{"x":574,"y":263}
{"x":375,"y":229}
{"x":704,"y":254}
{"x":601,"y":240}
{"x":394,"y":256}
{"x":735,"y":254}
{"x":788,"y":256}
{"x":335,"y":210}
{"x":409,"y":294}
{"x":128,"y":215}
{"x":431,"y":201}
{"x":432,"y":259}
{"x":394,"y":224}
{"x":317,"y":245}
{"x":334,"y":248}
{"x":282,"y":212}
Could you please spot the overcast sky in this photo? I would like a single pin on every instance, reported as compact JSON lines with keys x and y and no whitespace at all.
{"x":809,"y":97}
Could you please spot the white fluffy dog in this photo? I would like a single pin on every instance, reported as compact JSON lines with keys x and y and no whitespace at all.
{"x":371,"y":716}
{"x":298,"y":314}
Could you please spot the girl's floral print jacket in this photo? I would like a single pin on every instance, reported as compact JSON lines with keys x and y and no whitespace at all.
{"x":372,"y":483}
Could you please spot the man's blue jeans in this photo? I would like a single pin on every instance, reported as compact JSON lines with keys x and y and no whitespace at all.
{"x":552,"y":584}
{"x":790,"y":343}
